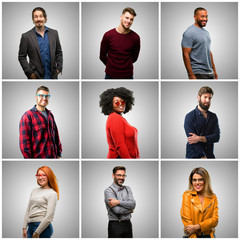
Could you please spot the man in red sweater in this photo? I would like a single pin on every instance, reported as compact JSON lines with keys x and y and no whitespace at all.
{"x":120,"y":48}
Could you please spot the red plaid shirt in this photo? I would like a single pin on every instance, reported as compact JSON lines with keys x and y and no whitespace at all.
{"x":39,"y":136}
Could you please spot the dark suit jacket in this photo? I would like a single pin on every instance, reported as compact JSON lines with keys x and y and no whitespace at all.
{"x":29,"y":47}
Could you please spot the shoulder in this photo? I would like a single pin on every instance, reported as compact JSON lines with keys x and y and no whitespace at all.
{"x":28,"y":114}
{"x":190,"y":114}
{"x":187,"y":195}
{"x":212,"y":114}
{"x":135,"y":35}
{"x":128,"y":188}
{"x":110,"y":32}
{"x":29,"y":33}
{"x":52,"y":30}
{"x":115,"y":117}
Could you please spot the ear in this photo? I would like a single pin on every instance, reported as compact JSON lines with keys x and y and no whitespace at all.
{"x":198,"y":97}
{"x":113,"y":176}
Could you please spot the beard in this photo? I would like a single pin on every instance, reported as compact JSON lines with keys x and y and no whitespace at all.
{"x":204,"y":106}
{"x":119,"y":182}
{"x":200,"y":23}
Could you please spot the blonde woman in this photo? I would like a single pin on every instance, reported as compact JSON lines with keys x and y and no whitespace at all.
{"x":199,"y":210}
{"x":41,"y":205}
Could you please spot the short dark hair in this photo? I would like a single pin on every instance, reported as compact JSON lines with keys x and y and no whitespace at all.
{"x":198,"y":9}
{"x":130,"y":10}
{"x":43,"y":88}
{"x":39,"y":9}
{"x":118,"y":168}
{"x":204,"y":90}
{"x":106,"y":99}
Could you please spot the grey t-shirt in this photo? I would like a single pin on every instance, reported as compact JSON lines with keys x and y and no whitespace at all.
{"x":198,"y":39}
{"x":44,"y":113}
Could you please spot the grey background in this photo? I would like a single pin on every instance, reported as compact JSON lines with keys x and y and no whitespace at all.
{"x":17,"y":19}
{"x":19,"y":97}
{"x":222,"y":25}
{"x":174,"y":181}
{"x":18,"y":180}
{"x":142,"y":177}
{"x":179,"y":98}
{"x":143,"y":116}
{"x":98,"y":18}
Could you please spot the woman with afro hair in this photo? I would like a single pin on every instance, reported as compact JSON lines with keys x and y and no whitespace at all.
{"x":121,"y":136}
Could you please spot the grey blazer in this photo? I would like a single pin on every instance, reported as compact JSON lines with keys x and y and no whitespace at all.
{"x":29,"y":47}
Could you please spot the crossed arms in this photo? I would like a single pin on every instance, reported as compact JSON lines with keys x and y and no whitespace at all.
{"x":119,"y":206}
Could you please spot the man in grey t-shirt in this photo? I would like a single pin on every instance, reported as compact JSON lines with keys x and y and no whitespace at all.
{"x":196,"y":41}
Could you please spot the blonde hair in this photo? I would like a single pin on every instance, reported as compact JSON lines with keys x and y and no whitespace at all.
{"x":207,"y":181}
{"x":52,"y":180}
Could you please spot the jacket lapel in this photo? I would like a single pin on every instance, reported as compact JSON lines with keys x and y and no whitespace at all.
{"x":196,"y":202}
{"x":35,"y":41}
{"x":207,"y":203}
{"x":51,"y":40}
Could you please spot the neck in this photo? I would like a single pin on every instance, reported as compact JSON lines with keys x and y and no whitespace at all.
{"x":197,"y":25}
{"x":45,"y":187}
{"x":40,"y":29}
{"x":122,"y":30}
{"x":40,"y":108}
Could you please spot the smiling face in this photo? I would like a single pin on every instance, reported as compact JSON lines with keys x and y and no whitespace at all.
{"x":126,"y":20}
{"x":198,"y":183}
{"x":205,"y":101}
{"x":119,"y":177}
{"x":42,"y":179}
{"x":38,"y":19}
{"x":119,"y":105}
{"x":42,"y":101}
{"x":201,"y":18}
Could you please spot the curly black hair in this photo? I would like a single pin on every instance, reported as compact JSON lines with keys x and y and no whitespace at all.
{"x":106,"y":99}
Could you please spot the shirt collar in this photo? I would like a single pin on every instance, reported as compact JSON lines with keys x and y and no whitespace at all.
{"x":46,"y":29}
{"x":118,"y":188}
{"x":198,"y":111}
{"x":35,"y":109}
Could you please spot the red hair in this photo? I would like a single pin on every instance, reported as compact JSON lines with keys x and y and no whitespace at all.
{"x":52,"y":180}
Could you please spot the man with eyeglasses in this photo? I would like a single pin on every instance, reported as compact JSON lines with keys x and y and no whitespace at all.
{"x":39,"y":136}
{"x":120,"y":204}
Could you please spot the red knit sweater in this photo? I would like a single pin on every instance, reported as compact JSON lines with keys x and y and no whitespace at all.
{"x":121,"y":137}
{"x":118,"y":52}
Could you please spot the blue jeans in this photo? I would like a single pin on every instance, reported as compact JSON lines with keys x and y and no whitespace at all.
{"x":47,"y":233}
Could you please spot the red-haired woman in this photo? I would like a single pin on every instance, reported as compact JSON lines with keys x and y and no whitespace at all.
{"x":41,"y":205}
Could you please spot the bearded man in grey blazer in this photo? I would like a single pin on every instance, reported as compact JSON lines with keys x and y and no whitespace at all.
{"x":42,"y":46}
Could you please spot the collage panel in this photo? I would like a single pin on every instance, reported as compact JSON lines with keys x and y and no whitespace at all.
{"x":202,"y":41}
{"x":23,"y":52}
{"x":116,"y":209}
{"x":182,"y":185}
{"x":26,"y":133}
{"x":40,"y":198}
{"x":121,"y":44}
{"x":185,"y":129}
{"x":105,"y":134}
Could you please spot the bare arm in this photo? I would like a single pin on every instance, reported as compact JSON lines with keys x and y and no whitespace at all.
{"x":186,"y":58}
{"x":213,"y":66}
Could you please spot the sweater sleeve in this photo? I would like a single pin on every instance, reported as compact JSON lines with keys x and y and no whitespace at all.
{"x":51,"y":205}
{"x":104,"y":49}
{"x":136,"y":49}
{"x":25,"y":222}
{"x":215,"y":136}
{"x":117,"y":129}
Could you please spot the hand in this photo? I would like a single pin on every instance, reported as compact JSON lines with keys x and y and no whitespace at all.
{"x":192,"y":76}
{"x":215,"y":75}
{"x":113,"y":202}
{"x":35,"y":235}
{"x":58,"y":157}
{"x":58,"y":72}
{"x":204,"y":157}
{"x":190,"y":229}
{"x":24,"y":233}
{"x":193,"y":139}
{"x":33,"y":76}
